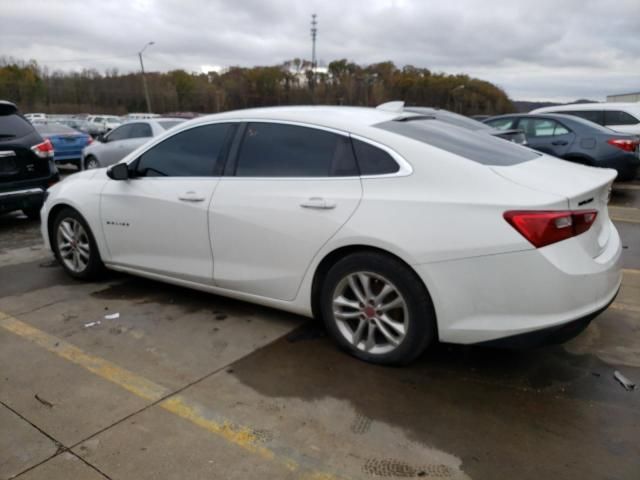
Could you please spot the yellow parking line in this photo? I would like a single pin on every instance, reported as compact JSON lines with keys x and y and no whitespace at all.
{"x":625,"y":220}
{"x":239,"y":435}
{"x":631,"y":271}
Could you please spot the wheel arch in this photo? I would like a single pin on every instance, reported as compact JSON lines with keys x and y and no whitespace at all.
{"x":53,"y":213}
{"x":332,"y":257}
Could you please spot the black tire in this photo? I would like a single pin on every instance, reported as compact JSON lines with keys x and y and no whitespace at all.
{"x":32,"y":213}
{"x":420,"y":324}
{"x":88,"y":161}
{"x":94,"y":266}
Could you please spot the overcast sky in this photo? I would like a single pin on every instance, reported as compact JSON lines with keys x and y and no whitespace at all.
{"x":535,"y":50}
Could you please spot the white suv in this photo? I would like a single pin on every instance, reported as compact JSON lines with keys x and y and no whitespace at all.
{"x":621,"y":117}
{"x":100,"y":124}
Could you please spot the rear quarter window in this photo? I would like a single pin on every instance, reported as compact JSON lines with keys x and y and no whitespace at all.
{"x":475,"y":146}
{"x":373,"y":160}
{"x":618,"y":117}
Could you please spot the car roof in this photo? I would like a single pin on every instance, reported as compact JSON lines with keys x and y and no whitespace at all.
{"x":591,"y":106}
{"x":340,"y":118}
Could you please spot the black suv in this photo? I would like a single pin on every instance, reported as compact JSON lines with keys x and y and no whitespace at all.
{"x":26,"y":164}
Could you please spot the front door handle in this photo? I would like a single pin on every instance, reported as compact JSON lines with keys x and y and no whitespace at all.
{"x":190,"y":197}
{"x":318,"y":203}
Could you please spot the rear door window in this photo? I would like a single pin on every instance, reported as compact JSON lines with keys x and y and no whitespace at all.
{"x":140,"y":130}
{"x":282,"y":150}
{"x":502,"y":123}
{"x":541,"y":127}
{"x":618,"y":117}
{"x":196,"y":152}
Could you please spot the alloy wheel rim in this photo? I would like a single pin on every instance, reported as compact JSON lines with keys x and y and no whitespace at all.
{"x":73,"y":245}
{"x":92,"y":163}
{"x":370,"y":312}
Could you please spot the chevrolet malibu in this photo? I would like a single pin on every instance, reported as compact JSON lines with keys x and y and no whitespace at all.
{"x":396,"y":229}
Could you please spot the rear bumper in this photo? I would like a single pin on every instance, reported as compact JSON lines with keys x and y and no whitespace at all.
{"x":547,"y":336}
{"x":21,"y":199}
{"x":506,"y":296}
{"x":66,"y":156}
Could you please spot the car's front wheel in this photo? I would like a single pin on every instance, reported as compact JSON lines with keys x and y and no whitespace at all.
{"x":377,"y":309}
{"x":75,"y":247}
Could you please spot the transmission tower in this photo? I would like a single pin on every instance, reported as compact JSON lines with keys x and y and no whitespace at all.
{"x":314,"y":34}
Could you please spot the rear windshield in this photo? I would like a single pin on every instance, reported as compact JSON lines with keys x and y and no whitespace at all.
{"x":449,"y":117}
{"x":476,"y":146}
{"x":170,"y":123}
{"x":14,"y":126}
{"x":54,"y":129}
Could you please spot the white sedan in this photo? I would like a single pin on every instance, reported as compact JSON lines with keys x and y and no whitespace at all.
{"x":396,"y":229}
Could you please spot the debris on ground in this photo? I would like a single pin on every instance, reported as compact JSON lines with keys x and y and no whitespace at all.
{"x":624,"y":381}
{"x":43,"y":401}
{"x":92,"y":324}
{"x":112,"y":316}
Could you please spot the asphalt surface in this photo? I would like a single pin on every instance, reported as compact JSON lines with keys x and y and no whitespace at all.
{"x":185,"y":385}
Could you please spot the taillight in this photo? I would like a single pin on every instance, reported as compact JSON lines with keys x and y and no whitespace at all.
{"x":624,"y":144}
{"x":543,"y":228}
{"x":44,"y":149}
{"x":89,"y":140}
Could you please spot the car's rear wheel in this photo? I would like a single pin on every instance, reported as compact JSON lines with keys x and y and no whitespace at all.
{"x":377,"y":309}
{"x":75,"y":247}
{"x":91,"y":162}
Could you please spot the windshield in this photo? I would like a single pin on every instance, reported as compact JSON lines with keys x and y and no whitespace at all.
{"x":477,"y":147}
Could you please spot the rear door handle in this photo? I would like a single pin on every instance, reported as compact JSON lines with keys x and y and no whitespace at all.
{"x":190,"y":197}
{"x":318,"y":203}
{"x":559,"y":142}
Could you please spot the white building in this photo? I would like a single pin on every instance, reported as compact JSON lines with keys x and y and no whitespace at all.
{"x":624,"y":97}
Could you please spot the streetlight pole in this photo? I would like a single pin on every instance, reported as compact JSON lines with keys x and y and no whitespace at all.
{"x":144,"y":79}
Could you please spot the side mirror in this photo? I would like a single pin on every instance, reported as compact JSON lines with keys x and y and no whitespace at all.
{"x":119,"y":171}
{"x":102,"y":139}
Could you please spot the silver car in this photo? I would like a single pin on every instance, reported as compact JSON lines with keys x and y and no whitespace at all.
{"x":119,"y":142}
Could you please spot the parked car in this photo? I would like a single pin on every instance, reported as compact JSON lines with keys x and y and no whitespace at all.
{"x":26,"y":164}
{"x":115,"y":145}
{"x":75,"y":123}
{"x":577,"y":140}
{"x":96,"y":125}
{"x":139,"y":116}
{"x":621,"y":117}
{"x":67,"y":142}
{"x":35,"y":116}
{"x":513,"y":135}
{"x":395,"y":229}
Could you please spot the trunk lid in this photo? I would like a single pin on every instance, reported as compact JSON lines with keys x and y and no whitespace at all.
{"x":68,"y":143}
{"x":585,"y":188}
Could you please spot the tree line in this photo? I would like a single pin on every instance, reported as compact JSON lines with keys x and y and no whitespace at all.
{"x":36,"y":88}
